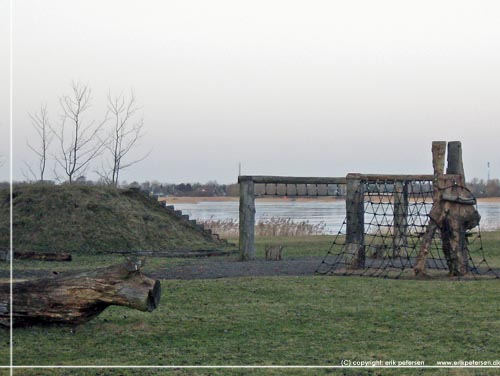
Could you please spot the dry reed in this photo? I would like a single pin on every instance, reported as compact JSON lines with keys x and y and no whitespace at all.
{"x":274,"y":226}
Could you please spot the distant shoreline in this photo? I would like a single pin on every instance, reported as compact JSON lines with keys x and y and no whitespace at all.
{"x":195,"y":200}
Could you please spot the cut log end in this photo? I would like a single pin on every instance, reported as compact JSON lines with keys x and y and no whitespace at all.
{"x":154,"y":296}
{"x":76,"y":298}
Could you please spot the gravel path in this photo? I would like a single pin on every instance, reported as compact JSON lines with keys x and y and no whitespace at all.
{"x":216,"y":268}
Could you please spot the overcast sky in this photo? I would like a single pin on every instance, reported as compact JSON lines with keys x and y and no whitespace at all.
{"x":309,"y":88}
{"x":4,"y":90}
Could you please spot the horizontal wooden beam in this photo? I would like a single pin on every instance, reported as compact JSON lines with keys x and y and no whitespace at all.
{"x":262,"y":179}
{"x":267,"y":179}
{"x":389,"y":177}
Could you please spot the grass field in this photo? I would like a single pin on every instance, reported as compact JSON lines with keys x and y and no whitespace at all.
{"x":312,"y":320}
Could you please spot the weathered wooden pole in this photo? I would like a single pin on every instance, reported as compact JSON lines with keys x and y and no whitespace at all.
{"x":454,"y":244}
{"x":438,"y":155}
{"x":455,"y":163}
{"x":400,"y":222}
{"x":355,"y":220}
{"x":247,"y":218}
{"x":453,"y":211}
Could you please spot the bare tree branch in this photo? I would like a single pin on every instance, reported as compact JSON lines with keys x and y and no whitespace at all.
{"x":79,"y":140}
{"x":40,"y":122}
{"x":57,"y":178}
{"x":29,"y":175}
{"x":104,"y":175}
{"x":124,"y":135}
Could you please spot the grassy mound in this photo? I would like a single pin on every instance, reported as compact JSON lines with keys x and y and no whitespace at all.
{"x":93,"y":219}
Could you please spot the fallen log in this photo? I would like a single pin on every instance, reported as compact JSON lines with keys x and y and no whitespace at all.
{"x":73,"y":299}
{"x":29,"y":255}
{"x":175,"y":254}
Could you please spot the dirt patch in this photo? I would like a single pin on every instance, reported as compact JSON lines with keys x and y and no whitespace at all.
{"x":220,"y":268}
{"x":212,"y":268}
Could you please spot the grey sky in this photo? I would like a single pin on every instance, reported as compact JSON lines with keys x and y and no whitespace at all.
{"x":4,"y":90}
{"x":317,"y":88}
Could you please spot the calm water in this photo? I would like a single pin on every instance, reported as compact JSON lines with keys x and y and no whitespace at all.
{"x":330,"y":213}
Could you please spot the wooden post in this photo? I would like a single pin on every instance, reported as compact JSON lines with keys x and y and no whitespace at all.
{"x":453,"y":211}
{"x":355,"y":220}
{"x":438,"y":154}
{"x":247,"y":218}
{"x":455,"y":163}
{"x":458,"y":253}
{"x":400,"y":222}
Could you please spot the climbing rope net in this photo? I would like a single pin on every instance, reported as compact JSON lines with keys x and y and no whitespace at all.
{"x":396,"y":215}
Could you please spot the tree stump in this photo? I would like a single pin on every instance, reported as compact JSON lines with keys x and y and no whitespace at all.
{"x":453,"y":211}
{"x":76,"y":298}
{"x":274,"y":252}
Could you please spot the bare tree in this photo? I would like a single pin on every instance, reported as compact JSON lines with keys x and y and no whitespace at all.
{"x":125,"y":133}
{"x":40,"y":121}
{"x":79,"y":139}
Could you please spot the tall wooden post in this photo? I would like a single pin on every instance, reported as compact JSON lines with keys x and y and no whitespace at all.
{"x":400,"y":222}
{"x":438,"y":155}
{"x":455,"y":246}
{"x":247,"y":218}
{"x":455,"y":163}
{"x":355,"y":220}
{"x":453,"y":211}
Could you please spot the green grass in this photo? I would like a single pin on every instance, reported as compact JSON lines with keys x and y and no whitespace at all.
{"x":254,"y":372}
{"x":299,"y":246}
{"x":83,"y":261}
{"x":313,"y":320}
{"x":75,"y":218}
{"x":491,"y":244}
{"x":292,"y":320}
{"x":296,"y":246}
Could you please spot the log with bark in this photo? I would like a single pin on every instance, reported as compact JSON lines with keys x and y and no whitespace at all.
{"x":30,"y":255}
{"x":76,"y":298}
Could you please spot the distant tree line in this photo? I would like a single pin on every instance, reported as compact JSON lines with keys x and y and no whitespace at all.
{"x":209,"y":189}
{"x":482,"y":188}
{"x":155,"y":188}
